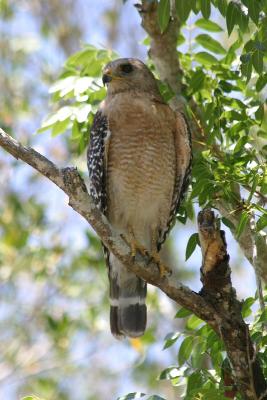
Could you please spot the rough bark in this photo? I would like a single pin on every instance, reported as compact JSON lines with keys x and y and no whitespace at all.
{"x":218,"y":291}
{"x":163,"y":52}
{"x":216,"y":303}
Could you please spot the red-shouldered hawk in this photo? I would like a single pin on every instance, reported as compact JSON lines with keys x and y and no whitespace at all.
{"x":139,"y":162}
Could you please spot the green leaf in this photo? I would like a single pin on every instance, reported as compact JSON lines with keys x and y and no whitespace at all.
{"x":169,"y":373}
{"x":259,"y":114}
{"x":60,"y":127}
{"x":261,"y":223}
{"x":263,"y":317}
{"x":205,"y":58}
{"x":231,"y":16}
{"x":183,"y":8}
{"x":257,"y":60}
{"x":185,"y":350}
{"x":246,"y":66}
{"x":205,"y":8}
{"x":180,"y":39}
{"x":197,"y":80}
{"x":254,"y":10}
{"x":210,"y":44}
{"x":261,"y":82}
{"x":262,"y":134}
{"x":222,"y":6}
{"x":240,"y":144}
{"x":228,"y":223}
{"x":48,"y":122}
{"x":31,"y":398}
{"x":242,"y":19}
{"x":195,"y":6}
{"x":170,"y":339}
{"x":246,"y":306}
{"x":208,"y":25}
{"x":182,"y":313}
{"x":198,"y":356}
{"x":191,"y":245}
{"x":132,"y":396}
{"x":163,"y":14}
{"x":81,"y":112}
{"x":75,"y":133}
{"x":242,"y":224}
{"x":212,"y":339}
{"x":193,"y":322}
{"x":195,"y":381}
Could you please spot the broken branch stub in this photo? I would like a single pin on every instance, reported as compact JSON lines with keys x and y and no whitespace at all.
{"x":218,"y":292}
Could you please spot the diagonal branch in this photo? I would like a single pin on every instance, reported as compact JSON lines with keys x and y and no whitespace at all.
{"x":163,"y":52}
{"x":216,"y":303}
{"x":69,"y":180}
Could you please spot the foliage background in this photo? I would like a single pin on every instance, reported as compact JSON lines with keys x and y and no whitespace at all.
{"x":54,"y":332}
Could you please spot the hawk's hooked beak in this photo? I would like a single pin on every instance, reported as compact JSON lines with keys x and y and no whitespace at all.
{"x":106,"y":78}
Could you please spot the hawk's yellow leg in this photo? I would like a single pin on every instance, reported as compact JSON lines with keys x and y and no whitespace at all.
{"x":134,"y":245}
{"x":155,"y":257}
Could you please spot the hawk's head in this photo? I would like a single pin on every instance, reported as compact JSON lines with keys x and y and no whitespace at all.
{"x":129,"y":74}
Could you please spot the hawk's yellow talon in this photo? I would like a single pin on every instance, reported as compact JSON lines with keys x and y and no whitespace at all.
{"x":164,"y":270}
{"x":135,"y":246}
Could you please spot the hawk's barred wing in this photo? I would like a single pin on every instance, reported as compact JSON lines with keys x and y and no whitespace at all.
{"x":182,"y":138}
{"x":96,"y":160}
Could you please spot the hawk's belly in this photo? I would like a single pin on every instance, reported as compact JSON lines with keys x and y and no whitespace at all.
{"x":140,"y":177}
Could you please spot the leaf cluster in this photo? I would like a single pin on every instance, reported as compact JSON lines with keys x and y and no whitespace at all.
{"x":77,"y":94}
{"x":201,"y":356}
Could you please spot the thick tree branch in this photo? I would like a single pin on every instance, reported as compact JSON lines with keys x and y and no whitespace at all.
{"x":69,"y":180}
{"x":163,"y":52}
{"x":216,"y":303}
{"x":218,"y":291}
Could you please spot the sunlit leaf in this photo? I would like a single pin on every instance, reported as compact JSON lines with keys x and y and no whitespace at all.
{"x":209,"y":43}
{"x":60,"y":127}
{"x":205,"y":58}
{"x":242,"y":224}
{"x":193,"y":322}
{"x":185,"y":350}
{"x":208,"y":25}
{"x":182,"y":313}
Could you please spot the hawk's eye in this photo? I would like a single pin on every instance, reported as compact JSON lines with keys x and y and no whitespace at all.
{"x":126,"y":68}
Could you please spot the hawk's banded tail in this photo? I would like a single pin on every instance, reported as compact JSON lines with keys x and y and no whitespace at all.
{"x":127,"y":301}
